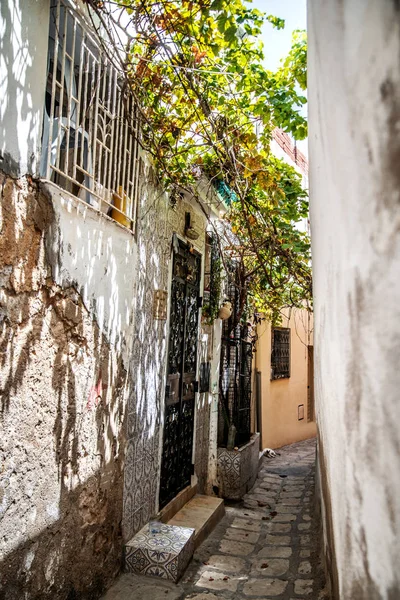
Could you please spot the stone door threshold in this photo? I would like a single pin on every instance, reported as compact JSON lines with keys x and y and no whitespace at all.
{"x":202,"y":513}
{"x":165,"y":549}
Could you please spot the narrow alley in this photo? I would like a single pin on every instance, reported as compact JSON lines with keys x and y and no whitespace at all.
{"x":265,"y":547}
{"x":199,"y":300}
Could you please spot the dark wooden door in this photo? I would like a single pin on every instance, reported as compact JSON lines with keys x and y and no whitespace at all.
{"x":181,"y":385}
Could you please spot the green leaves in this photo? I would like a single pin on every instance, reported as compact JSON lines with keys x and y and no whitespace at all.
{"x":208,"y":106}
{"x":217,"y":5}
{"x":276,"y":22}
{"x":230,"y":33}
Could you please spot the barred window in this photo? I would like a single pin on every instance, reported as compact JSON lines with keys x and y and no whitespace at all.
{"x":280,"y":353}
{"x":90,"y":126}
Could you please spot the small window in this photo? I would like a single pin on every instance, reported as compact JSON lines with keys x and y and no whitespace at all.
{"x":280,"y":353}
{"x":90,"y":124}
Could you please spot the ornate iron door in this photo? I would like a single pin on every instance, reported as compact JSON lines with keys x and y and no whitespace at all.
{"x":235,"y":371}
{"x":176,"y":465}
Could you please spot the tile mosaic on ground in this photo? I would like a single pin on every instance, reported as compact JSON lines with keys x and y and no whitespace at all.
{"x":266,"y":546}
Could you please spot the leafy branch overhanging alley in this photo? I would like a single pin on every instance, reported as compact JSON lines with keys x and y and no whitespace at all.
{"x":207,"y":108}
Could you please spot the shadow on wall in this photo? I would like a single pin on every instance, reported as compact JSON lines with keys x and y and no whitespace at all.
{"x":61,"y":420}
{"x":63,"y":383}
{"x":23,"y":51}
{"x":156,"y":226}
{"x":77,"y":556}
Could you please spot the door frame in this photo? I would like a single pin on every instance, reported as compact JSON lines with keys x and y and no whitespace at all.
{"x":163,"y":403}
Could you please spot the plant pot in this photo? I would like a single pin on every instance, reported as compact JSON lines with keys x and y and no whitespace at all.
{"x":225,"y":311}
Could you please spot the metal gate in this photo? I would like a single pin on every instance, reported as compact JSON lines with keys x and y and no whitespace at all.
{"x":235,"y":372}
{"x":235,"y":387}
{"x":176,"y":465}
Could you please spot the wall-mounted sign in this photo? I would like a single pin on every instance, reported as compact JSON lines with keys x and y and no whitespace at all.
{"x":160,"y":304}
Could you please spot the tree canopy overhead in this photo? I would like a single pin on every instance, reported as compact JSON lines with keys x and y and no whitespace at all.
{"x":208,"y":106}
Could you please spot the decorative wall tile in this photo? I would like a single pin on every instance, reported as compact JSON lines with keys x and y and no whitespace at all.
{"x":137,"y":519}
{"x":132,"y":423}
{"x":164,"y":554}
{"x":237,"y":469}
{"x":156,"y":225}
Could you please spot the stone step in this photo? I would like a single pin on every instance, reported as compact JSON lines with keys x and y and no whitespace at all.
{"x":160,"y":550}
{"x":165,"y":549}
{"x":202,"y":513}
{"x":177,"y":503}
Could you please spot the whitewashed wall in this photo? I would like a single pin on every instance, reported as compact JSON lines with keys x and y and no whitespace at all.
{"x":354,"y":150}
{"x":23,"y":59}
{"x":99,"y":258}
{"x":67,"y":288}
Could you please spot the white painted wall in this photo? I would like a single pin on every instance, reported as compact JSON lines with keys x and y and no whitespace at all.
{"x":98,"y":257}
{"x":354,"y":149}
{"x":303,"y":224}
{"x":280,"y":153}
{"x":213,"y":444}
{"x":23,"y":59}
{"x":93,"y":253}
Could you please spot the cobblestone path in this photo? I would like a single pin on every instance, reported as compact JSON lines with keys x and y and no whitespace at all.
{"x":265,"y":547}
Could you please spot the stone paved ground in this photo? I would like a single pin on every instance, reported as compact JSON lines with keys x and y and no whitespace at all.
{"x":265,"y":547}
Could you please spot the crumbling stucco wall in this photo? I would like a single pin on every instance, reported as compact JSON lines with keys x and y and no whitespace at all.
{"x":81,"y":355}
{"x":63,"y":394}
{"x":354,"y":148}
{"x":66,"y":326}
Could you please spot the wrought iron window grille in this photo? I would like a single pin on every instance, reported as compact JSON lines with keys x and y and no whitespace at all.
{"x":280,"y":353}
{"x":212,"y":279}
{"x":90,"y":124}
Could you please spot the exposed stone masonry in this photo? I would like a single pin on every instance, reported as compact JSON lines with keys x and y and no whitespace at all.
{"x":61,"y":418}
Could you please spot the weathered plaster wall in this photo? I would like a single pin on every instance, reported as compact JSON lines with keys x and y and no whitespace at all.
{"x":63,"y":388}
{"x":212,"y":474}
{"x":79,"y":339}
{"x":66,"y":315}
{"x":203,"y":414}
{"x":281,"y":397}
{"x":99,"y":258}
{"x":354,"y":148}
